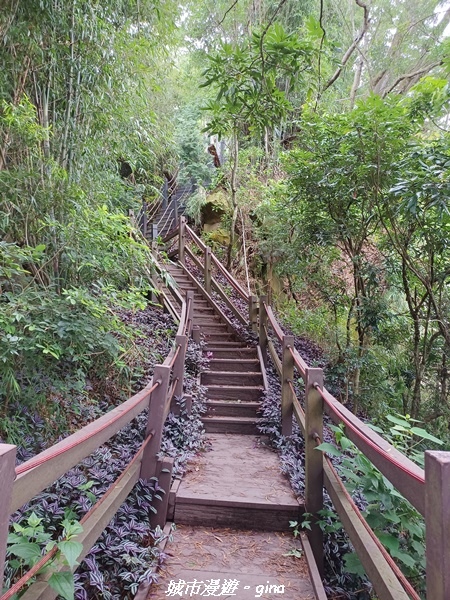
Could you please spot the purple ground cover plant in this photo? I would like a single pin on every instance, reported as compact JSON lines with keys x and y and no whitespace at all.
{"x":127,"y":553}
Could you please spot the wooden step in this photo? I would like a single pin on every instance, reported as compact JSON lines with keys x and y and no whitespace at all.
{"x":231,"y":378}
{"x":230,"y":408}
{"x":212,"y":328}
{"x":236,"y":425}
{"x":245,"y":393}
{"x":236,"y":364}
{"x":234,"y":353}
{"x":215,"y":338}
{"x":226,"y":345}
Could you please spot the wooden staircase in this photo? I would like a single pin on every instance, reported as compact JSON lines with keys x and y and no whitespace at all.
{"x":234,"y":381}
{"x":237,"y":483}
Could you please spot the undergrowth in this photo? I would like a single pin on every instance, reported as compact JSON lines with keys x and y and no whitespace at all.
{"x":127,"y":553}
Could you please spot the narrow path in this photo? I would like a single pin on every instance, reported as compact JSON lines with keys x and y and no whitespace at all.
{"x":233,"y":507}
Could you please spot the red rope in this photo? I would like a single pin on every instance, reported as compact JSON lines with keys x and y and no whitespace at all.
{"x":47,"y":557}
{"x":39,"y":459}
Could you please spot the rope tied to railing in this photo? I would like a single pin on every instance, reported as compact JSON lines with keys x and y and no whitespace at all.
{"x":39,"y":460}
{"x":47,"y":557}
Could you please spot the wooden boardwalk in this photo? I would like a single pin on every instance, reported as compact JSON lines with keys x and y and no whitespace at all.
{"x":234,"y":507}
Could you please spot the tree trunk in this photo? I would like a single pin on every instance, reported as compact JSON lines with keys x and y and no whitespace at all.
{"x":234,"y":168}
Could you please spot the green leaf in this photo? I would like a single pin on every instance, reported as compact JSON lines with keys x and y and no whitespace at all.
{"x":28,"y":551}
{"x":71,"y":550}
{"x":329,"y":449}
{"x":389,"y":541}
{"x":398,"y":421}
{"x":425,"y":435}
{"x":353,"y":564}
{"x":63,"y":584}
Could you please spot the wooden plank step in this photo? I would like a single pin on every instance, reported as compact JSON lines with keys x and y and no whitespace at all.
{"x":236,"y":425}
{"x":230,"y":408}
{"x":243,"y":515}
{"x":237,"y":483}
{"x":210,"y":328}
{"x":231,"y":378}
{"x":245,"y":393}
{"x":235,"y":353}
{"x":227,"y":345}
{"x":213,"y":338}
{"x":235,"y":364}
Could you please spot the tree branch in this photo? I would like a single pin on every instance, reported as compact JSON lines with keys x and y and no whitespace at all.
{"x":227,"y":11}
{"x":353,"y":47}
{"x":411,"y":75}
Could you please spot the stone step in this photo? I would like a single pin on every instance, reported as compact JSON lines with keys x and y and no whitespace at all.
{"x":231,"y":378}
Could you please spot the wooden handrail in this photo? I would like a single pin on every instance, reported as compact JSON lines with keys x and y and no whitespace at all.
{"x":274,"y":323}
{"x":69,"y":452}
{"x":196,"y":239}
{"x":235,"y":284}
{"x":33,"y":476}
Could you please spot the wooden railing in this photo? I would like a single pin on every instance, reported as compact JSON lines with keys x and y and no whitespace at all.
{"x":427,"y":490}
{"x":185,"y":243}
{"x":20,"y":484}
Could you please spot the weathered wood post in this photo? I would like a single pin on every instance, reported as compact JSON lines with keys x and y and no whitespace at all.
{"x":178,"y":370}
{"x":263,"y":328}
{"x":7,"y":476}
{"x":253,"y":313}
{"x":314,"y":459}
{"x":154,"y":231}
{"x":287,"y":375}
{"x":190,"y":314}
{"x":207,"y":269}
{"x":196,"y":334}
{"x":181,"y":239}
{"x":175,"y":209}
{"x":144,"y":218}
{"x":155,"y":421}
{"x":165,"y":195}
{"x":437,"y":524}
{"x":164,"y":469}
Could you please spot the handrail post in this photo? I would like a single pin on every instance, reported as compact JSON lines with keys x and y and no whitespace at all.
{"x":181,"y":240}
{"x":7,"y":476}
{"x":178,"y":369}
{"x":155,"y":421}
{"x":437,"y":524}
{"x":164,"y":470}
{"x":190,"y":313}
{"x":314,"y":459}
{"x":253,"y":313}
{"x":207,"y":269}
{"x":287,"y":375}
{"x":175,"y":207}
{"x":144,"y":218}
{"x":263,"y":328}
{"x":165,"y":194}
